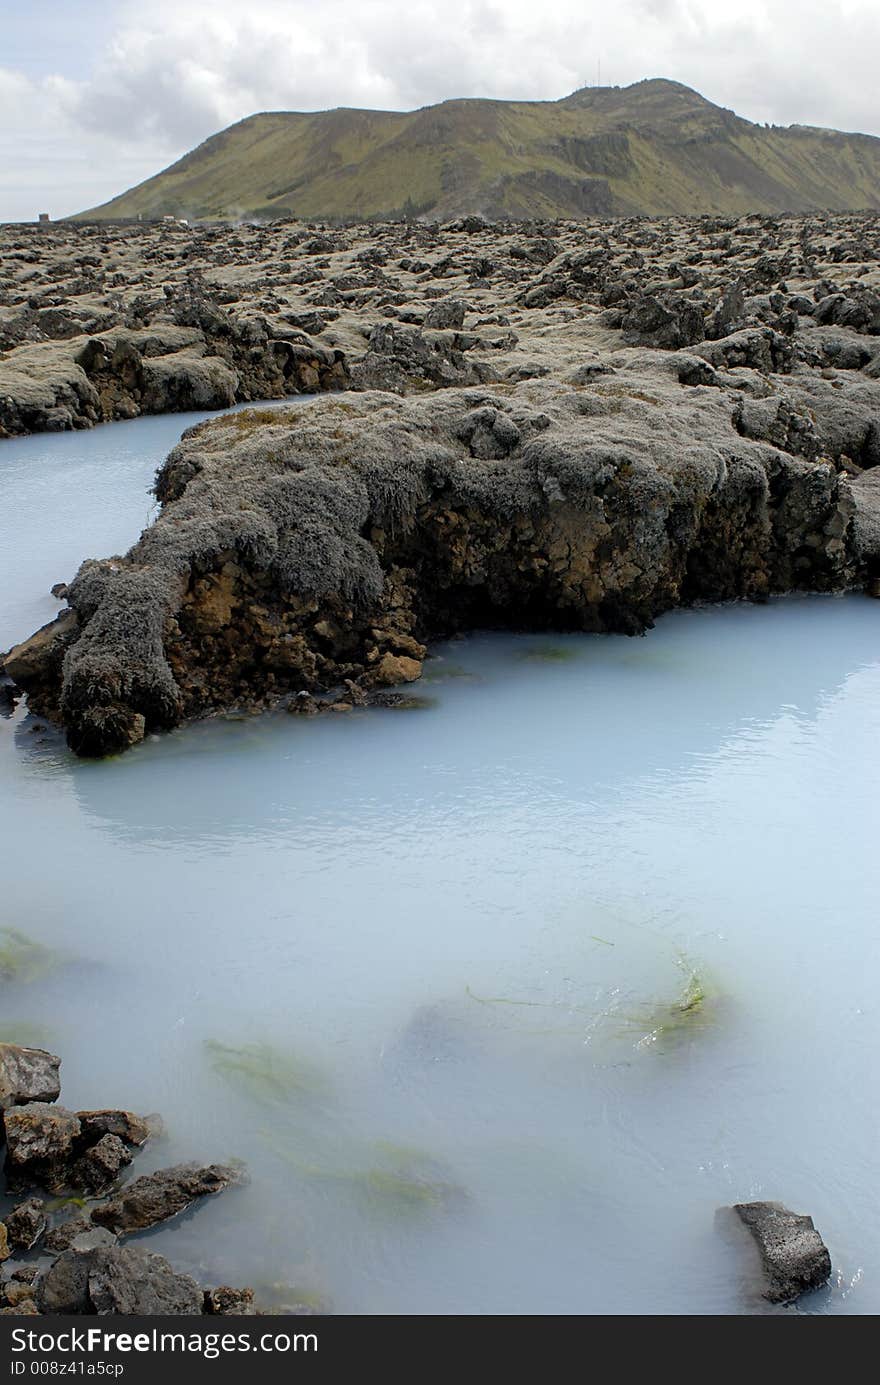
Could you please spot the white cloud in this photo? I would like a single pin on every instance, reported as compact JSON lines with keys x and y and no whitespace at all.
{"x":170,"y":74}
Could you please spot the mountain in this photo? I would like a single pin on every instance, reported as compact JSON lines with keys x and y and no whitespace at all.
{"x":656,"y":147}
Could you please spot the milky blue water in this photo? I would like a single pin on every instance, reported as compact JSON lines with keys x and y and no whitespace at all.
{"x":472,"y":938}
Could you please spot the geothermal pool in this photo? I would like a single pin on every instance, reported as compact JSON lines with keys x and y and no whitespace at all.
{"x":499,"y":999}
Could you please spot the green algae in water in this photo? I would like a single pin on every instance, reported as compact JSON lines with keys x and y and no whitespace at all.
{"x":279,"y":1299}
{"x":61,"y":1204}
{"x":438,"y":671}
{"x":550,"y":653}
{"x":655,"y":1025}
{"x":397,"y":1181}
{"x":263,"y":1072}
{"x":667,"y":1023}
{"x":21,"y":958}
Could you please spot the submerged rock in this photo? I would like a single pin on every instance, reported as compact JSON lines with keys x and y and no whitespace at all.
{"x":794,"y":1258}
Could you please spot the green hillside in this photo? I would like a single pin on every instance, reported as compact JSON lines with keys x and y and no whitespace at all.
{"x":654,"y":148}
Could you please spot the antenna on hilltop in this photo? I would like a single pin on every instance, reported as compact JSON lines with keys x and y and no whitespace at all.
{"x":598,"y":72}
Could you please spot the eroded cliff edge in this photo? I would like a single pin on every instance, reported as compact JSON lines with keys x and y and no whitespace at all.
{"x":313,"y":546}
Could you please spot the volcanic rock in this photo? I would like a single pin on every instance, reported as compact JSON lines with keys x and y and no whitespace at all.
{"x":794,"y":1258}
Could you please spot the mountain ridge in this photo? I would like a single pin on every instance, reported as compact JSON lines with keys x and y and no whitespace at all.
{"x":653,"y":148}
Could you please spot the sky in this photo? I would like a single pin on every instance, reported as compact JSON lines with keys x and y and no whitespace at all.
{"x":96,"y":95}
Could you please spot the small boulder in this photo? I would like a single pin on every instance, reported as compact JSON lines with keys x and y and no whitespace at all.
{"x":100,"y":1166}
{"x":26,"y":1223}
{"x":27,"y":1074}
{"x":303,"y":705}
{"x":230,"y":1303}
{"x":448,"y":314}
{"x":62,"y":1237}
{"x":64,"y":1286}
{"x":19,"y":1296}
{"x":794,"y":1258}
{"x":117,"y":1279}
{"x":132,"y":1129}
{"x":40,"y":1143}
{"x":397,"y":668}
{"x":664,"y":320}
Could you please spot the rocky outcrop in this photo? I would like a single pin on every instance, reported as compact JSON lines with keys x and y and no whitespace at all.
{"x":794,"y":1258}
{"x":110,"y":322}
{"x":41,"y":1146}
{"x":59,"y":1150}
{"x":84,"y":1153}
{"x":405,"y":360}
{"x":194,"y":356}
{"x":300,"y":550}
{"x":547,"y":426}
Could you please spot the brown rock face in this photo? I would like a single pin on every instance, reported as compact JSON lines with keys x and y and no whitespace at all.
{"x":25,"y":661}
{"x":397,"y":668}
{"x":132,"y":1129}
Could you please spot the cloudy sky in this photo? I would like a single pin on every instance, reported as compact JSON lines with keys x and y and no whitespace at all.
{"x":96,"y":95}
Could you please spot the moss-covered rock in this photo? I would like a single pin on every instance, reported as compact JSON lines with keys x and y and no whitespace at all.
{"x":325,"y":545}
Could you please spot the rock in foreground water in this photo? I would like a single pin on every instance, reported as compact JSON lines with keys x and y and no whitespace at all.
{"x":155,"y":1197}
{"x":793,"y":1255}
{"x":86,"y":1151}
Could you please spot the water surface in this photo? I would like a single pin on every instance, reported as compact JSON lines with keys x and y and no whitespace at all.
{"x":460,"y":947}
